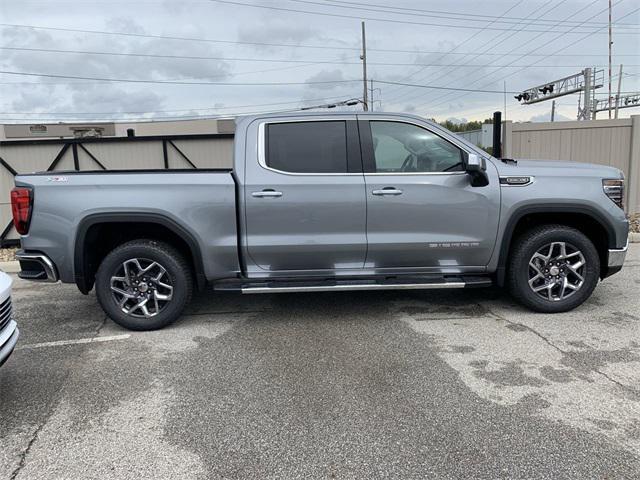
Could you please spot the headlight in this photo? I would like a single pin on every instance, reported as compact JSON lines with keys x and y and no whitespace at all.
{"x":614,"y":189}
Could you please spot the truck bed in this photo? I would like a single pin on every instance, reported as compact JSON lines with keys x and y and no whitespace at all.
{"x":200,"y":203}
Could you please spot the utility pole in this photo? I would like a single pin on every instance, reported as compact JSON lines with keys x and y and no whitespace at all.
{"x":505,"y":100}
{"x":610,"y":45}
{"x":553,"y":110}
{"x":618,"y":94}
{"x":372,"y":101}
{"x":363,"y":57}
{"x":586,"y":109}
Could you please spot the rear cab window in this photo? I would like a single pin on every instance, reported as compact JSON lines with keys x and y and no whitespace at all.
{"x":313,"y":147}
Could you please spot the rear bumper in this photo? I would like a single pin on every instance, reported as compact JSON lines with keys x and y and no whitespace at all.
{"x":8,"y":339}
{"x":615,"y":260}
{"x":36,"y":266}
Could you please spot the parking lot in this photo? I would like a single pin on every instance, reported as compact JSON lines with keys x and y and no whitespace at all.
{"x":436,"y":384}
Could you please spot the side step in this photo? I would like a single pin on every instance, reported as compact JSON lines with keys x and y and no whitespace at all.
{"x":333,"y":285}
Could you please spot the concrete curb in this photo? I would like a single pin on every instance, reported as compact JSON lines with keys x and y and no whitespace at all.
{"x":10,"y":267}
{"x":634,"y":237}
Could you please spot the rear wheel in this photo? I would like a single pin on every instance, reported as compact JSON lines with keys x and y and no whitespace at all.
{"x":144,"y":284}
{"x":553,"y":268}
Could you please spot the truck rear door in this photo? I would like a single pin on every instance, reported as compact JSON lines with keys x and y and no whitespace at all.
{"x":304,"y":197}
{"x":421,"y":208}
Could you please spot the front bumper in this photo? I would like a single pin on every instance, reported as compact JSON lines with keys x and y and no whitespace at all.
{"x":36,"y":266}
{"x":8,"y":339}
{"x":615,"y":260}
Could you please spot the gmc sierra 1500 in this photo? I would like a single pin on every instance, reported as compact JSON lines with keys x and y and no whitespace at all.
{"x":319,"y":202}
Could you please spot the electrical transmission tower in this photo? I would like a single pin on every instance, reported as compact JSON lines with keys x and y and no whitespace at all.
{"x":623,"y":101}
{"x":587,"y":81}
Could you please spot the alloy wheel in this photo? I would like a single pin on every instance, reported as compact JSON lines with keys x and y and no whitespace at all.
{"x":141,"y":287}
{"x":556,"y":271}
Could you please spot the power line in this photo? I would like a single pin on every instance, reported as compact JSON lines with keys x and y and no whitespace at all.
{"x":174,"y":82}
{"x":273,"y":60}
{"x":179,"y":57}
{"x":563,"y":48}
{"x":288,"y":45}
{"x":384,"y":20}
{"x":467,"y":17}
{"x":297,"y":102}
{"x":439,"y":87}
{"x":182,"y":117}
{"x":169,"y":37}
{"x":192,"y":82}
{"x":544,"y":44}
{"x":492,"y":41}
{"x":393,"y":8}
{"x":466,"y":40}
{"x":535,"y":37}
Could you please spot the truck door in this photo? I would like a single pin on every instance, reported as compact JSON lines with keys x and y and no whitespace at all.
{"x":421,"y":208}
{"x":304,"y":197}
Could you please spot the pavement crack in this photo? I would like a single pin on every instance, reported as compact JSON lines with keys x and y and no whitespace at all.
{"x":34,"y":437}
{"x":627,"y":388}
{"x":101,"y":325}
{"x":25,"y":452}
{"x":565,"y":352}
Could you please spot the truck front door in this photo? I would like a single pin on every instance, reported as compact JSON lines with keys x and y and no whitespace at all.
{"x":304,"y":197}
{"x":422,"y":211}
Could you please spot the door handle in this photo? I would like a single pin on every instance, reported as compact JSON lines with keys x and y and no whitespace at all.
{"x":267,"y":192}
{"x":388,"y":191}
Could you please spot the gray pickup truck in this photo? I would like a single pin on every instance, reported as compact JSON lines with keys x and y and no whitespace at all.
{"x":325,"y":202}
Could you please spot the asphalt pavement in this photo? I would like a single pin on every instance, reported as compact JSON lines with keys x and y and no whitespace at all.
{"x":432,"y":384}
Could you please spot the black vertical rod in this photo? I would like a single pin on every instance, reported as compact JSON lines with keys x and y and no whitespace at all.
{"x":165,"y":154}
{"x":497,"y":133}
{"x":76,"y":161}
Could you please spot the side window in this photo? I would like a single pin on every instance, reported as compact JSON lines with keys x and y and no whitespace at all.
{"x":307,"y":147}
{"x":402,"y":147}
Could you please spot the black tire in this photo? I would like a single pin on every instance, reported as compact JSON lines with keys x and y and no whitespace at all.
{"x":519,"y":271}
{"x":178,"y":274}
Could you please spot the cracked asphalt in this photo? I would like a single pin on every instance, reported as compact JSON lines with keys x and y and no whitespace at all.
{"x":434,"y":384}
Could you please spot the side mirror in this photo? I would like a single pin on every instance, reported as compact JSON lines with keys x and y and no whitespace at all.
{"x":476,"y":167}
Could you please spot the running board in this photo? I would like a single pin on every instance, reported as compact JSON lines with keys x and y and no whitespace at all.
{"x":360,"y":285}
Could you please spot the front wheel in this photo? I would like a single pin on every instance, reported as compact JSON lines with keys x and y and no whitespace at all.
{"x":144,"y":284}
{"x":553,"y":268}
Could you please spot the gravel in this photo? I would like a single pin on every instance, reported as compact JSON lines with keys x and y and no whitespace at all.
{"x":635,"y":222}
{"x":7,"y":254}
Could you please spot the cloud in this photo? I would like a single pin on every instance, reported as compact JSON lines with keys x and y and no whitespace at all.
{"x":278,"y":31}
{"x":457,"y":121}
{"x":546,"y":117}
{"x":325,"y":76}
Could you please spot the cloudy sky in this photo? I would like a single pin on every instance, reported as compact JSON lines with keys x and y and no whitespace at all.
{"x":272,"y":55}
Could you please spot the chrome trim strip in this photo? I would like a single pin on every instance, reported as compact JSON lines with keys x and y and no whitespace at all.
{"x":43,"y":260}
{"x":616,"y":256}
{"x":7,"y":331}
{"x":355,"y":287}
{"x":367,"y":174}
{"x":8,"y":339}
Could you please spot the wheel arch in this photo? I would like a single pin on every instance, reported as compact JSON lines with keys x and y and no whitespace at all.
{"x":590,"y":222}
{"x":103,"y":230}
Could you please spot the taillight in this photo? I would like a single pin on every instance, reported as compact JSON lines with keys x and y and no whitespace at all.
{"x":614,"y":189}
{"x":21,"y":203}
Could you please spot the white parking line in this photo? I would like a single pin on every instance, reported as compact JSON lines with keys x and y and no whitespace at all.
{"x":74,"y":342}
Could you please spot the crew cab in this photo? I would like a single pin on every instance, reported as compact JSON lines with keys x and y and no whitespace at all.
{"x":325,"y":202}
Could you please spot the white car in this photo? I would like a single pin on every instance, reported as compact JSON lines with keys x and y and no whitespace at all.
{"x":8,"y":328}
